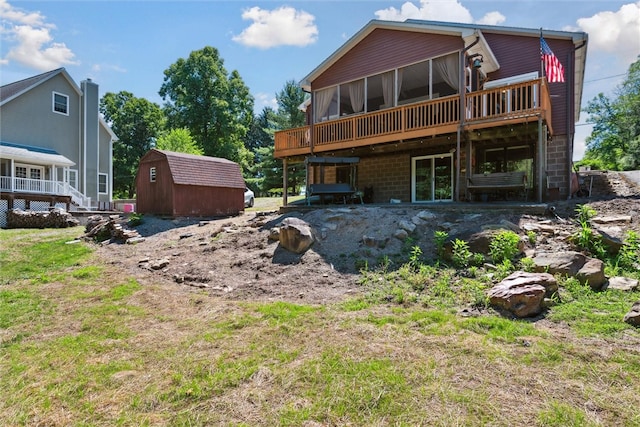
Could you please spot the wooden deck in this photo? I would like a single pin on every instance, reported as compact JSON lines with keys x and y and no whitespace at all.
{"x":512,"y":104}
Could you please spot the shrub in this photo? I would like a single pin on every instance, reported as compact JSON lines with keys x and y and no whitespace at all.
{"x":504,"y":246}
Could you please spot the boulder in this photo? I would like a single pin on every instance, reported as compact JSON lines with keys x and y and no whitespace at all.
{"x":633,"y":316}
{"x":426,"y":215}
{"x":622,"y":283}
{"x":374,"y":242}
{"x":592,"y":273}
{"x":568,"y":262}
{"x":523,"y":293}
{"x":408,"y":226}
{"x":612,"y":237}
{"x":296,"y":235}
{"x":401,"y":234}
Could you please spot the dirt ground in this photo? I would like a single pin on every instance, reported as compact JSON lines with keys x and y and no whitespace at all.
{"x":234,"y":257}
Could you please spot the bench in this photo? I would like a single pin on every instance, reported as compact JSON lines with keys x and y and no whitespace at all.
{"x":340,"y":190}
{"x":498,"y":181}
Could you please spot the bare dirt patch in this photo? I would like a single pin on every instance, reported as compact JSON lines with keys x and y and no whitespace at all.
{"x":233,"y":257}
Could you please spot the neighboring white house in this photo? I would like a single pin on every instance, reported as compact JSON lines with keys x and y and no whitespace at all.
{"x":55,"y":149}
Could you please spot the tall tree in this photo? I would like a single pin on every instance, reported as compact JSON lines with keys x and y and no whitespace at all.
{"x":290,"y":115}
{"x":614,"y":142}
{"x":137,"y":122}
{"x":215,"y":106}
{"x":289,"y":99}
{"x":178,"y":140}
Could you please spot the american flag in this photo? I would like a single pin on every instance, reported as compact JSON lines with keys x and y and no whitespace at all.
{"x":552,"y":66}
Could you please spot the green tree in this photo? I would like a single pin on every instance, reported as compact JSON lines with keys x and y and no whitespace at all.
{"x":137,"y":122}
{"x":289,"y":99}
{"x":615,"y":140}
{"x":289,"y":115}
{"x":178,"y":140}
{"x":214,"y":105}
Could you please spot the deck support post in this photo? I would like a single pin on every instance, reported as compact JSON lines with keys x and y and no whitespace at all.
{"x":285,"y":179}
{"x":541,"y":160}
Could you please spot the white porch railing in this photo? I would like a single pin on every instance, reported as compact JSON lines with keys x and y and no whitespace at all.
{"x":42,"y":186}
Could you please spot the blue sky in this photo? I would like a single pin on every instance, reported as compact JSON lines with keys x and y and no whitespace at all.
{"x":127,"y":45}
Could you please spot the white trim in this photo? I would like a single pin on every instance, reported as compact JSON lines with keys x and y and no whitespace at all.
{"x":432,"y":157}
{"x":34,"y":157}
{"x":73,"y":182}
{"x":53,"y":103}
{"x":106,"y":183}
{"x":533,"y":75}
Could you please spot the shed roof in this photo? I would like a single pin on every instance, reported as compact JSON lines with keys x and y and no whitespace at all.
{"x":190,"y":169}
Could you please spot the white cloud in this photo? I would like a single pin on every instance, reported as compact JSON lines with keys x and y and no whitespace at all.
{"x":263,"y":100}
{"x":616,"y":33}
{"x":444,"y":10}
{"x":492,"y":18}
{"x":282,"y":26}
{"x":30,"y":39}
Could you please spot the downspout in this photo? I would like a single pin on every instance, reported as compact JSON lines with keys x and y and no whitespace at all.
{"x":570,"y":124}
{"x":462,"y":113}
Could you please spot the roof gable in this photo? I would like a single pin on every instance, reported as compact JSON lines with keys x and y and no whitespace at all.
{"x":13,"y":90}
{"x":190,"y":169}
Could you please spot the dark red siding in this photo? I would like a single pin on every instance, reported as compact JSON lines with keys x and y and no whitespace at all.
{"x":166,"y":197}
{"x":154,"y":197}
{"x":384,"y":50}
{"x":201,"y":201}
{"x":520,"y":55}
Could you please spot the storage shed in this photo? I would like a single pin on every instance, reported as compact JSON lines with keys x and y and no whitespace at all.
{"x":179,"y":184}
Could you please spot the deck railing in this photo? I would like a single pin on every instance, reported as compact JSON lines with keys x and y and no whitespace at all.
{"x":43,"y":186}
{"x":438,"y":116}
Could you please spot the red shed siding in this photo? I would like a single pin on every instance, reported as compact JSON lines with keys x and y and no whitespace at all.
{"x":519,"y":55}
{"x":379,"y":52}
{"x":154,"y":197}
{"x":207,"y":201}
{"x":165,"y":196}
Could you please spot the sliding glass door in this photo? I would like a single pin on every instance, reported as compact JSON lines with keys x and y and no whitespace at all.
{"x":432,"y":178}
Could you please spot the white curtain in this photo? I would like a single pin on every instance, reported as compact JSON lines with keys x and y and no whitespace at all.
{"x":449,"y":69}
{"x":387,"y":88}
{"x":400,"y":74}
{"x":323,"y":101}
{"x":356,"y":95}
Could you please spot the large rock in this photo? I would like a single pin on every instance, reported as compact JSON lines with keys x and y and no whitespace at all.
{"x":622,"y":283}
{"x":522,"y":293}
{"x":612,"y":237}
{"x":633,"y":316}
{"x":296,"y":235}
{"x":568,"y":262}
{"x":592,"y":273}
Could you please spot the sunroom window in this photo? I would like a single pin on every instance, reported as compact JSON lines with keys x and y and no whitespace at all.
{"x":422,"y":81}
{"x":351,"y":97}
{"x":326,"y":104}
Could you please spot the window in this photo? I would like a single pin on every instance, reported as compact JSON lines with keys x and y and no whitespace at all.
{"x":152,"y":174}
{"x":73,"y":178}
{"x":60,"y":103}
{"x":21,"y":172}
{"x":102,"y":183}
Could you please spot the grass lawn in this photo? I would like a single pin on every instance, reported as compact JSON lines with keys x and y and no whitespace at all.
{"x":82,"y":347}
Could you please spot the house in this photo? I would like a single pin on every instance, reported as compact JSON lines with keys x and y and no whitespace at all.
{"x":179,"y":184}
{"x":439,"y":111}
{"x":55,"y":149}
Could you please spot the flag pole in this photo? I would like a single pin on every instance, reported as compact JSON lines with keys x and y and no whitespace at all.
{"x":541,"y":60}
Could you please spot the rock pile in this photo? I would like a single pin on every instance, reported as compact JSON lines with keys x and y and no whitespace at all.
{"x":111,"y":228}
{"x":54,"y":218}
